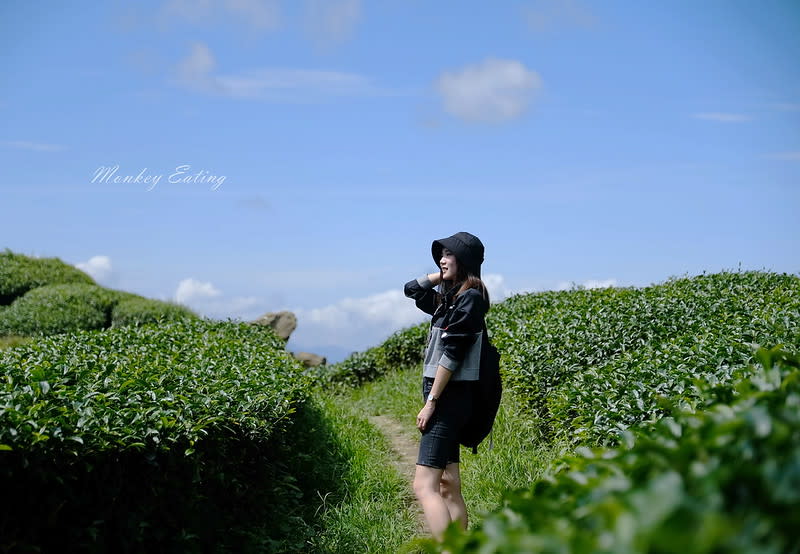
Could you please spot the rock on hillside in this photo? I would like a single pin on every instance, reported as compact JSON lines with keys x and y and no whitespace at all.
{"x":309,"y":359}
{"x":283,"y":323}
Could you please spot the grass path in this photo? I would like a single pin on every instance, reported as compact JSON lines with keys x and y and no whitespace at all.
{"x":377,"y":511}
{"x":518,"y":456}
{"x":372,"y":513}
{"x":406,"y":451}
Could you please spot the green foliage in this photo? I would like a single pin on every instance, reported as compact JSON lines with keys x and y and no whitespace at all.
{"x":145,"y":388}
{"x":516,"y":456}
{"x":358,"y":368}
{"x":47,"y":296}
{"x":172,"y":436}
{"x":587,"y":366}
{"x":726,"y":479}
{"x":368,"y":512}
{"x":53,"y":309}
{"x":138,"y":311}
{"x":13,"y":340}
{"x":157,"y":437}
{"x":20,"y":273}
{"x":405,"y":347}
{"x":594,"y":362}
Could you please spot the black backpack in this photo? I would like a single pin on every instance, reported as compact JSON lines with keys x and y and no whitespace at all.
{"x":485,"y":397}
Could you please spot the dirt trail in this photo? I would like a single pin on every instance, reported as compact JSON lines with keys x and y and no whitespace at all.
{"x":406,"y":450}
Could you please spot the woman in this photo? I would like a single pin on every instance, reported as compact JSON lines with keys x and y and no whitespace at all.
{"x":452,"y":363}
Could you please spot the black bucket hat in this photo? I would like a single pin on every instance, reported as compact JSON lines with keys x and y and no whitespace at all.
{"x":467,"y":247}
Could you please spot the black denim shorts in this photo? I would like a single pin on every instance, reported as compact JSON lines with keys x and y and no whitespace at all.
{"x":439,"y":444}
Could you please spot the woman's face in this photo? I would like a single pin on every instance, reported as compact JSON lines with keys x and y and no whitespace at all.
{"x":449,"y":265}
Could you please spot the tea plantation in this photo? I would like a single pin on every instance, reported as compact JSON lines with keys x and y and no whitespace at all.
{"x":593,"y":362}
{"x":165,"y":436}
{"x":669,"y":415}
{"x":685,"y":435}
{"x":129,"y":424}
{"x":45,"y":296}
{"x":724,"y":479}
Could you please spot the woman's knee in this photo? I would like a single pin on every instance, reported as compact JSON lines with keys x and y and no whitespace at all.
{"x":450,"y":484}
{"x":426,"y":481}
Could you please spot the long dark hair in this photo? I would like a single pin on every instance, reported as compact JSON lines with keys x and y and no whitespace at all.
{"x":464,"y":281}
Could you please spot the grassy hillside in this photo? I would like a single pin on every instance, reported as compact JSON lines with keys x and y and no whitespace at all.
{"x":670,"y":379}
{"x":45,"y":296}
{"x":20,"y":273}
{"x":593,"y":362}
{"x":163,"y":437}
{"x":724,"y":479}
{"x":590,"y":363}
{"x":627,"y":414}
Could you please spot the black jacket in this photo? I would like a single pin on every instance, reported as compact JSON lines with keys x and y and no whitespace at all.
{"x":457,"y":328}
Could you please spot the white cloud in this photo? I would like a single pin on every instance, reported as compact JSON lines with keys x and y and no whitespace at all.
{"x":589,"y":284}
{"x":259,"y":14}
{"x":788,"y":156}
{"x":498,"y":291}
{"x":190,"y":290}
{"x":722,"y":117}
{"x":391,"y":309}
{"x":546,"y":15}
{"x":36,"y":146}
{"x":98,"y":267}
{"x":350,"y":324}
{"x":332,"y":21}
{"x":493,"y":91}
{"x":358,"y":323}
{"x":245,"y":308}
{"x":207,"y":300}
{"x":196,"y":72}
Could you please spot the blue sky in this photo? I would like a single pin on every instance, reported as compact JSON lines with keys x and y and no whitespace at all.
{"x":327,"y":143}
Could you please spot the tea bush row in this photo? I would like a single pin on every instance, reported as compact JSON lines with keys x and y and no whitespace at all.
{"x":147,"y":387}
{"x":20,"y":273}
{"x":593,"y":362}
{"x":159,"y":436}
{"x":590,"y":363}
{"x":63,"y":308}
{"x":403,"y":348}
{"x":138,"y":311}
{"x":725,"y":479}
{"x":45,"y":296}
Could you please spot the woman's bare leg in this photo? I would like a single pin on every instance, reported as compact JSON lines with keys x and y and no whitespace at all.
{"x":427,"y":488}
{"x":450,"y":490}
